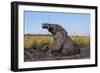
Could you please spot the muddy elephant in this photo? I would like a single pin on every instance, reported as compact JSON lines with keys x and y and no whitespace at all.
{"x":63,"y":44}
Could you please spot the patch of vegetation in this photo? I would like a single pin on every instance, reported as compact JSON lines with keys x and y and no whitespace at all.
{"x":39,"y":41}
{"x":81,"y":40}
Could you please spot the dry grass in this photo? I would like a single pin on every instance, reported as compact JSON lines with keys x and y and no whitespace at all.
{"x":40,"y":40}
{"x":37,"y":40}
{"x":81,"y":40}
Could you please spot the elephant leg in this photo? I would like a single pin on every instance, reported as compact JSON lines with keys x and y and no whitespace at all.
{"x":71,"y":50}
{"x":56,"y":47}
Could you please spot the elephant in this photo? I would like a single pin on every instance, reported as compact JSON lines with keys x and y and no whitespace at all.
{"x":63,"y":44}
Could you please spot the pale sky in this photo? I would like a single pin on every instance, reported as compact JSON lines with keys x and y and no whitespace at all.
{"x":74,"y":23}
